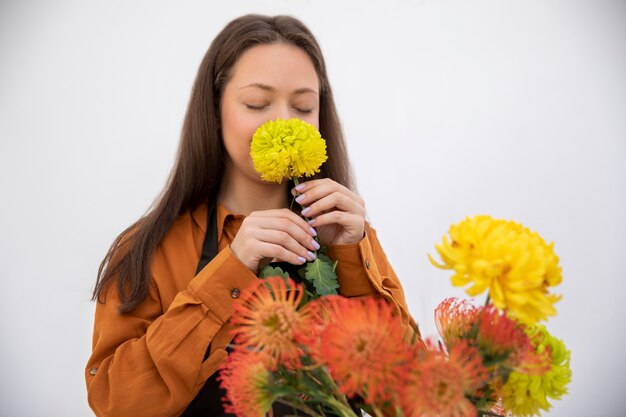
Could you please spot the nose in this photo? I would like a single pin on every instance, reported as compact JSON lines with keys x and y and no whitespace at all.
{"x":282,"y":111}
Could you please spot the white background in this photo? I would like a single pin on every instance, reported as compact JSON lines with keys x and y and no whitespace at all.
{"x":450,"y":108}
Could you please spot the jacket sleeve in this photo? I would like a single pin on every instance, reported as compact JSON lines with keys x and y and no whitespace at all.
{"x":364,"y":270}
{"x":150,"y":362}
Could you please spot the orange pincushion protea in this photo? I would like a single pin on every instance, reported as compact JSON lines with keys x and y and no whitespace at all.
{"x":454,"y":319}
{"x":436,"y":385}
{"x":320,"y":313}
{"x":501,"y":337}
{"x":363,"y":347}
{"x":268,"y":318}
{"x":245,"y":376}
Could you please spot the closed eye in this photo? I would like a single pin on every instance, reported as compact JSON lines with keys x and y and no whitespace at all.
{"x":253,"y":107}
{"x":304,"y":111}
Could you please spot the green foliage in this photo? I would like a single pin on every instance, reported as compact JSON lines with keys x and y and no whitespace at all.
{"x":321,"y":273}
{"x":271,"y":271}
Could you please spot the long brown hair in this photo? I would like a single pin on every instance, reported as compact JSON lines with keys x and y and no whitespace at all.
{"x":199,"y":168}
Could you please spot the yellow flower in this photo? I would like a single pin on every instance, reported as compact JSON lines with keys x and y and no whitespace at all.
{"x":286,"y":149}
{"x":525,"y":395}
{"x":515,"y":264}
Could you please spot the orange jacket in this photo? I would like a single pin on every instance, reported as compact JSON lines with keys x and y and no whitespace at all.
{"x":150,"y":362}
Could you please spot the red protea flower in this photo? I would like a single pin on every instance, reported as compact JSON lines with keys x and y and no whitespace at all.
{"x":245,"y":376}
{"x":502,"y":340}
{"x":268,"y":319}
{"x":437,"y":384}
{"x":455,"y":319}
{"x":363,"y":349}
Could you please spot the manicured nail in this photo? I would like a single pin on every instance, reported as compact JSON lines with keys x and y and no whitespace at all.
{"x":311,"y":221}
{"x":315,"y":244}
{"x":311,"y":255}
{"x":300,"y":198}
{"x":313,"y":231}
{"x":305,"y":211}
{"x":300,"y":187}
{"x":301,"y":259}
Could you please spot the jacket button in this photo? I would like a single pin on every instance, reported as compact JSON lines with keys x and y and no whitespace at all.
{"x":367,"y":263}
{"x":234,"y":293}
{"x":92,"y":371}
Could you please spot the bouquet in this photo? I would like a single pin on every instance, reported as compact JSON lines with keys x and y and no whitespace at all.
{"x":327,"y":355}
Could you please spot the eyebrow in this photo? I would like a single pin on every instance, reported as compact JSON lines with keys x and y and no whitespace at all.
{"x":270,"y":88}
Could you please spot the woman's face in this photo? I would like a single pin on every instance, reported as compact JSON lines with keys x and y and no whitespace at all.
{"x":267,"y":82}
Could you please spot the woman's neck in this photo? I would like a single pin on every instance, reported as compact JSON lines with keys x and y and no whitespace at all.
{"x":241,"y":195}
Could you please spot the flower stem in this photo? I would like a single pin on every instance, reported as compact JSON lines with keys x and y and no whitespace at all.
{"x":296,"y":182}
{"x":342,"y":409}
{"x":334,"y":388}
{"x":487,"y":300}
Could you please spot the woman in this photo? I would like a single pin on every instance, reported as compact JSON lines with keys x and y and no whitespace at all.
{"x":166,"y":286}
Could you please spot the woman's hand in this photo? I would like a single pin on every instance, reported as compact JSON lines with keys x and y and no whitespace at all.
{"x":337,"y":213}
{"x":279,"y":234}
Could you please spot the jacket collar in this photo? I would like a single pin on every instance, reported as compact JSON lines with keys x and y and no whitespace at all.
{"x":199,"y":216}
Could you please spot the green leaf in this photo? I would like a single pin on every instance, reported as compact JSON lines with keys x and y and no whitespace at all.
{"x":271,"y":271}
{"x":321,"y":273}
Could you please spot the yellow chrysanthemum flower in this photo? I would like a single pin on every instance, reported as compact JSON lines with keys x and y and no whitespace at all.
{"x":525,"y":395}
{"x":286,"y":149}
{"x":515,"y":264}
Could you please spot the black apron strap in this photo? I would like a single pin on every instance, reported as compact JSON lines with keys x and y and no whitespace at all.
{"x":208,"y":402}
{"x":209,"y":247}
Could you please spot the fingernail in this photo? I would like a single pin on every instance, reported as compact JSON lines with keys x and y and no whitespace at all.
{"x":313,"y":231}
{"x":311,"y":221}
{"x":299,"y":187}
{"x":311,"y":255}
{"x":301,"y":259}
{"x":305,"y":211}
{"x":300,"y":198}
{"x":315,"y":244}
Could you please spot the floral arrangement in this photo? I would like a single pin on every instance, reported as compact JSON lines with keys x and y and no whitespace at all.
{"x":331,"y":356}
{"x":526,"y":365}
